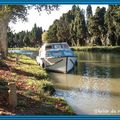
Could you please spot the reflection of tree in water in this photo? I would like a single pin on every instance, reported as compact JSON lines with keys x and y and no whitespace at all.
{"x":102,"y":65}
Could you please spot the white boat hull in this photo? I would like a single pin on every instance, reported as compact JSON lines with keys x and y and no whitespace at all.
{"x":60,"y":64}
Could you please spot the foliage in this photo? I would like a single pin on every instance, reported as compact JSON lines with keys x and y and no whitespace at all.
{"x":71,"y":28}
{"x":112,"y":19}
{"x":26,"y":39}
{"x":102,"y":28}
{"x":97,"y":29}
{"x":79,"y":28}
{"x":12,"y":13}
{"x":115,"y":49}
{"x":52,"y":32}
{"x":34,"y":88}
{"x":63,"y":30}
{"x":21,"y":11}
{"x":89,"y":12}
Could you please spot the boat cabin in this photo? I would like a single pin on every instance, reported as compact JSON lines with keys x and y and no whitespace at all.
{"x":55,"y":50}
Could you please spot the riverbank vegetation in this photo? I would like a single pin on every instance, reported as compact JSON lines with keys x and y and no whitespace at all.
{"x":31,"y":38}
{"x":99,"y":29}
{"x":114,"y":49}
{"x":34,"y":89}
{"x":74,"y":27}
{"x":13,"y":13}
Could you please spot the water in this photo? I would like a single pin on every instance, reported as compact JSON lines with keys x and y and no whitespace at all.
{"x":94,"y":87}
{"x":31,"y":54}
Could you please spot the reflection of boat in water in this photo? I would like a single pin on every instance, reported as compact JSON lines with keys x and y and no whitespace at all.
{"x":56,"y":57}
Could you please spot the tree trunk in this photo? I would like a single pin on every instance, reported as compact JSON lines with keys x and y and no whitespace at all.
{"x":4,"y":20}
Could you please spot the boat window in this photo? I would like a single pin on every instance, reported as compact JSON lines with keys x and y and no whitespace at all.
{"x":57,"y":46}
{"x":65,"y":46}
{"x":48,"y":47}
{"x":53,"y":53}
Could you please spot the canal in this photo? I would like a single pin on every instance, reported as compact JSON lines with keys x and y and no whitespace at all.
{"x":94,"y":88}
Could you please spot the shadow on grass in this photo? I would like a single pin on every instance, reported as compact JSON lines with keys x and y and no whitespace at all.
{"x":29,"y":106}
{"x":11,"y":60}
{"x":27,"y":63}
{"x":3,"y":93}
{"x":4,"y":66}
{"x":28,"y":74}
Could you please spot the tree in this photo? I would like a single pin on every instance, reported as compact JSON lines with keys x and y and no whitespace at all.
{"x":97,"y":28}
{"x":63,"y":33}
{"x":39,"y":36}
{"x":11,"y":42}
{"x":20,"y":41}
{"x":52,"y":32}
{"x":26,"y":40}
{"x":7,"y":13}
{"x":71,"y":27}
{"x":112,"y":19}
{"x":89,"y":13}
{"x":78,"y":27}
{"x":36,"y":34}
{"x":12,"y":13}
{"x":32,"y":38}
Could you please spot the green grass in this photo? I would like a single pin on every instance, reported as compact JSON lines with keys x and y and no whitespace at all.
{"x":97,"y":48}
{"x":33,"y":74}
{"x":34,"y":87}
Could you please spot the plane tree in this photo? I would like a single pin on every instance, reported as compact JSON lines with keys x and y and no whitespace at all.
{"x":13,"y":13}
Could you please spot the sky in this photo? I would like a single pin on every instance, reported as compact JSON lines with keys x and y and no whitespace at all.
{"x":43,"y":19}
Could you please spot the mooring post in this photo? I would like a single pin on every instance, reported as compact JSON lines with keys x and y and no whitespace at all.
{"x":12,"y":98}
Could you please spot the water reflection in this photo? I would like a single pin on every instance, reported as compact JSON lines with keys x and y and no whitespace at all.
{"x":86,"y":94}
{"x":94,"y":87}
{"x":99,"y":65}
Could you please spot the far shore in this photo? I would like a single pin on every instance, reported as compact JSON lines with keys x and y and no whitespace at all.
{"x":97,"y":48}
{"x":79,"y":48}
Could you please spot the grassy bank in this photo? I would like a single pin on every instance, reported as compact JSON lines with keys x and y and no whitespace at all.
{"x":34,"y":89}
{"x":81,"y":48}
{"x":97,"y":48}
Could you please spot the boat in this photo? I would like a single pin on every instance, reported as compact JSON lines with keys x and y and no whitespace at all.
{"x":57,"y":57}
